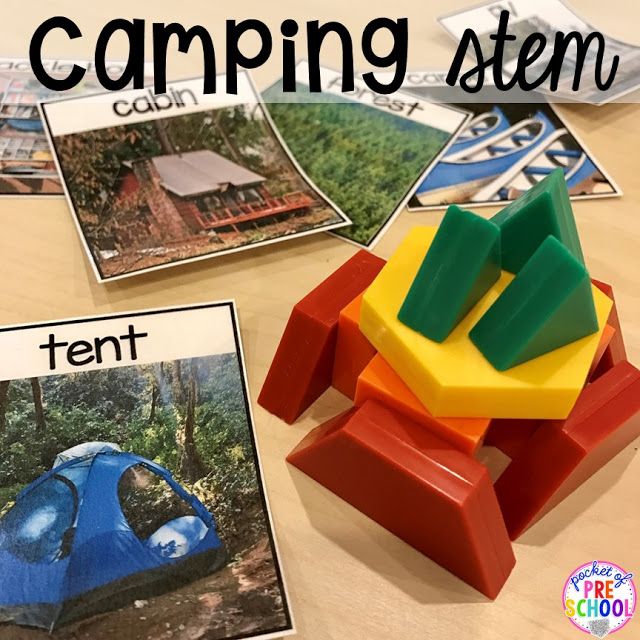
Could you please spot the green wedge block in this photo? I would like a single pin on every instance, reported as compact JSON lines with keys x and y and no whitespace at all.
{"x":546,"y":306}
{"x":543,"y":210}
{"x":461,"y":264}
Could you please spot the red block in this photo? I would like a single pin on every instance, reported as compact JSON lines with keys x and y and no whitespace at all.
{"x":434,"y":497}
{"x":302,"y":367}
{"x":509,"y":435}
{"x":562,"y":454}
{"x":615,"y":351}
{"x":353,"y":351}
{"x":608,"y":334}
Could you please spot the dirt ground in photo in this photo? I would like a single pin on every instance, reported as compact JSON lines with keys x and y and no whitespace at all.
{"x":241,"y":599}
{"x":136,"y":260}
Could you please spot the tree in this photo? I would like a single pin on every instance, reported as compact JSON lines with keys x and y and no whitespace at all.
{"x":185,"y":399}
{"x":221,"y":131}
{"x":154,"y":402}
{"x":152,"y":387}
{"x":36,"y":389}
{"x":4,"y":393}
{"x":179,"y":392}
{"x":163,"y":137}
{"x":191,"y":467}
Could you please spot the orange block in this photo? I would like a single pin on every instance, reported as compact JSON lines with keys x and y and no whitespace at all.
{"x":353,"y":351}
{"x":380,"y":382}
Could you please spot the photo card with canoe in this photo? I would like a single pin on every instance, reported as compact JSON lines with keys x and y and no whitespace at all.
{"x":504,"y":149}
{"x":366,"y":151}
{"x":26,"y":161}
{"x":157,"y":180}
{"x":132,"y":502}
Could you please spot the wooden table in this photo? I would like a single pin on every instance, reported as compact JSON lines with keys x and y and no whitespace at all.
{"x":349,"y":578}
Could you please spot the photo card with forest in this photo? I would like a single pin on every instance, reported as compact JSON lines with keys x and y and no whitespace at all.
{"x":26,"y":161}
{"x":156,"y":180}
{"x":505,"y":149}
{"x":366,"y":151}
{"x":132,"y":500}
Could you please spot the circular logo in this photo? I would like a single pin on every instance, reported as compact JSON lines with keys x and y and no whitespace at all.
{"x":599,"y":597}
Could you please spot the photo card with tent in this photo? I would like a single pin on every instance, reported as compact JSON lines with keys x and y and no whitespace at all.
{"x":157,"y":180}
{"x":504,"y":149}
{"x":131,"y":493}
{"x":366,"y":151}
{"x":27,"y":167}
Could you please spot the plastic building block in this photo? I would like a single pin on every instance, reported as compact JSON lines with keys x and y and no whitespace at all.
{"x":608,"y":334}
{"x":561,"y":455}
{"x":544,"y":210}
{"x":510,"y":436}
{"x":615,"y":351}
{"x":435,"y":498}
{"x":353,"y":350}
{"x":461,"y":264}
{"x":610,"y":358}
{"x":548,"y":305}
{"x":380,"y":382}
{"x":302,"y":367}
{"x":453,"y":378}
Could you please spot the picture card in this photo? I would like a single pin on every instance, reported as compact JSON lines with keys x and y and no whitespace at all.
{"x":26,"y":160}
{"x":548,"y":17}
{"x":132,"y":500}
{"x":365,"y":150}
{"x":157,"y":180}
{"x":504,"y":150}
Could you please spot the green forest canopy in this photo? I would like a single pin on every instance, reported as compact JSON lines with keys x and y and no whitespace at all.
{"x":188,"y":416}
{"x":362,"y":158}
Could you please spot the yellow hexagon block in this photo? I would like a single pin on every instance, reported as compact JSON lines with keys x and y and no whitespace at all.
{"x":453,"y":378}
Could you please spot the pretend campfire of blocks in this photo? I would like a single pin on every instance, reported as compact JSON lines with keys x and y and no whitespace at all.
{"x":479,"y":331}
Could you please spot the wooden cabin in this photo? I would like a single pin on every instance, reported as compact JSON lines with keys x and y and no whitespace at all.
{"x":182,"y":195}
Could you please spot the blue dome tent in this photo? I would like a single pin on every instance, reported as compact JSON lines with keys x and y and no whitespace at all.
{"x":67,"y":550}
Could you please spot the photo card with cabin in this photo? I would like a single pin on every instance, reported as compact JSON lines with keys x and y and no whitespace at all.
{"x":156,"y":180}
{"x":26,"y":161}
{"x":505,"y":149}
{"x":132,"y":502}
{"x":366,"y":151}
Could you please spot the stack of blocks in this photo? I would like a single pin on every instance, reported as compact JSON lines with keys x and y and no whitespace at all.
{"x":480,"y":332}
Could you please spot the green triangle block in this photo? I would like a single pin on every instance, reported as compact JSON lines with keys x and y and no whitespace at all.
{"x":544,"y":210}
{"x":546,"y":306}
{"x":460,"y":266}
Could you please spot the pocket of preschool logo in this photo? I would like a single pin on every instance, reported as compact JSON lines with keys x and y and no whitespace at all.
{"x":599,"y":598}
